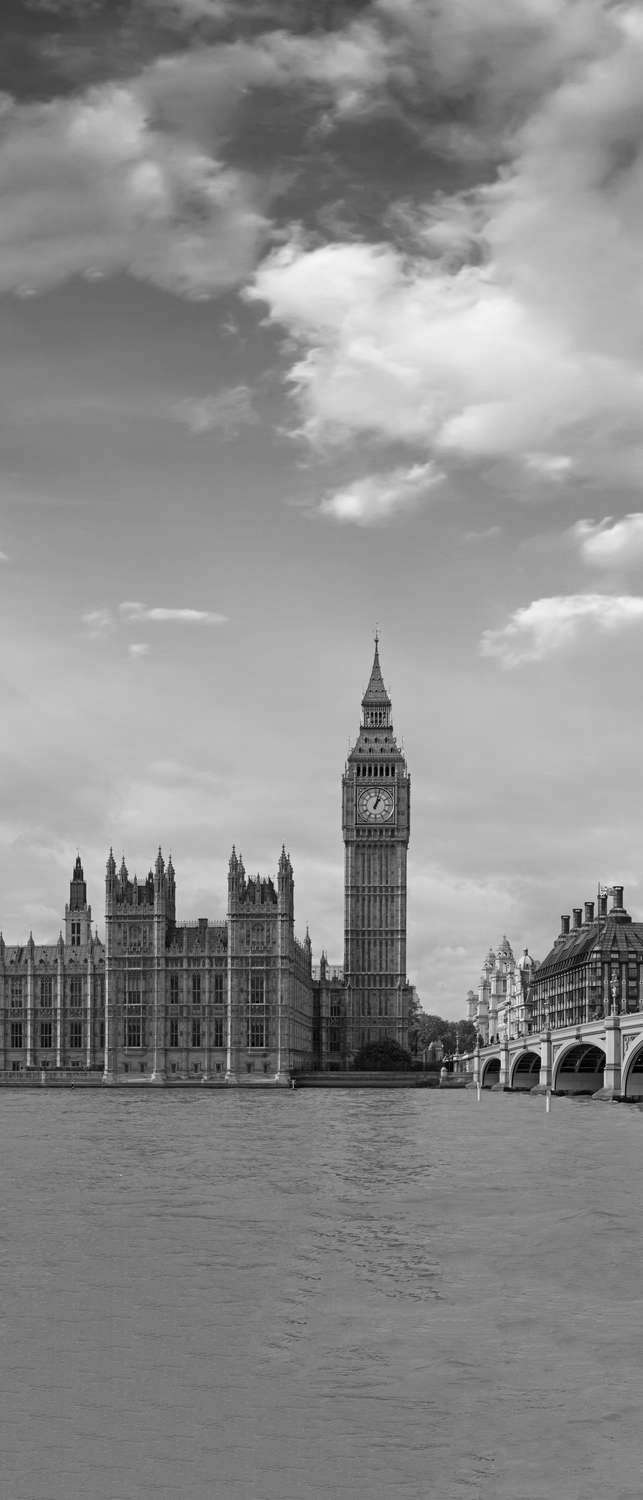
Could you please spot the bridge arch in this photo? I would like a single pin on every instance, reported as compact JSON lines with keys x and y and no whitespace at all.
{"x":525,"y":1070}
{"x":632,"y":1072}
{"x":579,"y":1068}
{"x":490,"y":1072}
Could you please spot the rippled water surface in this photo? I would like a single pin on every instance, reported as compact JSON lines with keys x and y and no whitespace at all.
{"x":289,"y":1296}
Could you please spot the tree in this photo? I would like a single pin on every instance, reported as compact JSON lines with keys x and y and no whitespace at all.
{"x":454,"y":1036}
{"x":384,"y":1056}
{"x":433,"y":1029}
{"x":467,"y":1036}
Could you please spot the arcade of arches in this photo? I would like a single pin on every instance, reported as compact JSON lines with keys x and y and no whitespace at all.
{"x":604,"y":1060}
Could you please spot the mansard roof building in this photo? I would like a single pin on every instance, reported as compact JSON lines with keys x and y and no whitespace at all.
{"x":594,"y":968}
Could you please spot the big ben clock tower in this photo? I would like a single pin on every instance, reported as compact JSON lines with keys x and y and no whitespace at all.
{"x":375,"y":824}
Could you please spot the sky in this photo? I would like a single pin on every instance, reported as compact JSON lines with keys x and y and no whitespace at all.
{"x":317,"y":317}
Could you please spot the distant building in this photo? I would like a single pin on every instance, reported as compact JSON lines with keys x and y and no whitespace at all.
{"x":594,"y":969}
{"x":52,"y":995}
{"x":235,"y":999}
{"x":501,"y":1007}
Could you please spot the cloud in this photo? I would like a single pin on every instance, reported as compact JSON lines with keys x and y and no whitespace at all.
{"x":133,"y":612}
{"x":186,"y":12}
{"x":226,"y":412}
{"x":342,"y":70}
{"x":487,"y":535}
{"x":401,"y":349}
{"x":545,"y":626}
{"x":554,"y":467}
{"x":104,"y":622}
{"x":485,"y":68}
{"x":377,"y":498}
{"x":99,"y":622}
{"x":509,"y":322}
{"x":89,"y":185}
{"x":609,"y":543}
{"x":4,"y":556}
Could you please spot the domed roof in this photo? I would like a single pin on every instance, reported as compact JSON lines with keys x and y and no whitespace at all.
{"x":526,"y":962}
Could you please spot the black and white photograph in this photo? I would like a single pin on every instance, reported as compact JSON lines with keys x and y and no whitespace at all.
{"x":321,"y":828}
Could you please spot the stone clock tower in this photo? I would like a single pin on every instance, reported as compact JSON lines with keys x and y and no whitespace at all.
{"x":375,"y":824}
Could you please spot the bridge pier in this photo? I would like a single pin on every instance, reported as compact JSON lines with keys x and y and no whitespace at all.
{"x":544,"y":1080}
{"x":504,"y":1081}
{"x":476,"y":1069}
{"x":613,"y":1056}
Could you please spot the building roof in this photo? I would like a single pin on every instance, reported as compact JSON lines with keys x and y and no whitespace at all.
{"x":616,"y":936}
{"x":46,"y":954}
{"x":376,"y":693}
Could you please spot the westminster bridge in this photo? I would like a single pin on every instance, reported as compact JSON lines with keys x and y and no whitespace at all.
{"x":603,"y":1057}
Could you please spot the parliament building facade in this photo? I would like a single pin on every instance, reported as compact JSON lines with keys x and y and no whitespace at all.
{"x":235,"y":1001}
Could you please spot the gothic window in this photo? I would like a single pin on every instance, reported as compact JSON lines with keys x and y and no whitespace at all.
{"x":196,"y":990}
{"x":218,"y":987}
{"x":257,"y":1011}
{"x":196,"y":1032}
{"x":133,"y":1031}
{"x":174,"y":1031}
{"x":75,"y":934}
{"x":16,"y":1034}
{"x":16,"y":994}
{"x":46,"y":1034}
{"x":101,"y":1034}
{"x":217,"y":1038}
{"x":75,"y":1034}
{"x":46,"y":990}
{"x":174,"y":989}
{"x":76,"y":991}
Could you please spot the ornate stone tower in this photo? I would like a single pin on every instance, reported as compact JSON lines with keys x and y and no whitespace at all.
{"x":78,"y":915}
{"x":375,"y":825}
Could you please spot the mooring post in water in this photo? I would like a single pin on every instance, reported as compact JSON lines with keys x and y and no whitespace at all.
{"x":479,"y":1092}
{"x":547,"y":1101}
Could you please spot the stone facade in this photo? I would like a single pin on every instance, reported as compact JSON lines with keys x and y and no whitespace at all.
{"x":500,"y":1008}
{"x":205,"y":999}
{"x":52,"y":995}
{"x":376,"y":808}
{"x":235,"y":1000}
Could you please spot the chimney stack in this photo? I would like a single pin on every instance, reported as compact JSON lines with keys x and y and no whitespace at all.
{"x":578,"y":917}
{"x":602,"y":906}
{"x":617,"y":898}
{"x":589,"y":911}
{"x":564,"y":926}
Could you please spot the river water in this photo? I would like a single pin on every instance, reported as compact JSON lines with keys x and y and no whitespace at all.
{"x":320,"y":1294}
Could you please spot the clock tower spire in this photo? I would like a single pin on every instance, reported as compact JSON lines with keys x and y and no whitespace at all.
{"x":375,"y":825}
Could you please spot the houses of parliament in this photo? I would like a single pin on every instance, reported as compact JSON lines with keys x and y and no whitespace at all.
{"x":237,"y":1000}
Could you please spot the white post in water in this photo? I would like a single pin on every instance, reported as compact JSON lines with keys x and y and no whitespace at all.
{"x":479,"y":1092}
{"x":547,"y":1101}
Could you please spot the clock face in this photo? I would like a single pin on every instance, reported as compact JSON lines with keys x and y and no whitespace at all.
{"x":375,"y":805}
